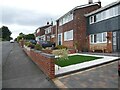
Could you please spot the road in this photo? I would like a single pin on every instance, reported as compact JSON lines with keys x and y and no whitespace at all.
{"x":0,"y":64}
{"x":6,"y":49}
{"x":19,"y":71}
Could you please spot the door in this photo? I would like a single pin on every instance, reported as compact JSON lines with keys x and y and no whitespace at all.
{"x":60,"y":39}
{"x":114,"y":41}
{"x":118,"y":41}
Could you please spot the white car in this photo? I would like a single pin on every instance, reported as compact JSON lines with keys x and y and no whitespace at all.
{"x":11,"y":41}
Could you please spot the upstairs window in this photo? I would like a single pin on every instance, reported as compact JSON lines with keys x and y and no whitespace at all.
{"x":92,"y":19}
{"x":106,"y":14}
{"x":68,"y":17}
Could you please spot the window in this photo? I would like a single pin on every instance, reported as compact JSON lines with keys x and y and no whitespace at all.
{"x":48,"y":30}
{"x":109,"y":13}
{"x":92,"y":19}
{"x":66,"y":18}
{"x":91,"y":38}
{"x":68,"y":35}
{"x":60,"y":39}
{"x":104,"y":36}
{"x":98,"y":38}
{"x":48,"y":38}
{"x":43,"y":38}
{"x":95,"y":38}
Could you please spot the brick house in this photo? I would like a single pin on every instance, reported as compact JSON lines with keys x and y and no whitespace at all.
{"x":40,"y":32}
{"x":103,"y":28}
{"x":71,"y":27}
{"x":53,"y":34}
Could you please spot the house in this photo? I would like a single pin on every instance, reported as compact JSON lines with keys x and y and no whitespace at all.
{"x":53,"y":34}
{"x":71,"y":27}
{"x":103,"y":28}
{"x":40,"y":32}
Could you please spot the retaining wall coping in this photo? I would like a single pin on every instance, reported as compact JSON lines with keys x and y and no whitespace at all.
{"x":42,"y":53}
{"x":48,"y":55}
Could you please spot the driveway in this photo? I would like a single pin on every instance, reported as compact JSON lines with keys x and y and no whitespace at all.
{"x":20,"y":72}
{"x":105,"y":76}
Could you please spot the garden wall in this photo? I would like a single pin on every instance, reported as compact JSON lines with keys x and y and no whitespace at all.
{"x":43,"y":60}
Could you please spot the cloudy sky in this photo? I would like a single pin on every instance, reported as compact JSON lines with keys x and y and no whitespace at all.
{"x":27,"y":15}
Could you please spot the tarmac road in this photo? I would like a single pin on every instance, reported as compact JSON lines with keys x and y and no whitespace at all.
{"x":19,"y":71}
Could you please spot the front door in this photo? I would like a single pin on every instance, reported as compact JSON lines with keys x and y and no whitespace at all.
{"x":114,"y":42}
{"x":118,"y":41}
{"x":60,"y":39}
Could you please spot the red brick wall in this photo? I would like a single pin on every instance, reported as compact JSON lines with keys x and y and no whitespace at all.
{"x":44,"y":62}
{"x":68,"y":44}
{"x":80,"y":25}
{"x":109,"y":42}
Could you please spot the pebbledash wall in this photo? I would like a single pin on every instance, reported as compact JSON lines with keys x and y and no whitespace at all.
{"x":43,"y":60}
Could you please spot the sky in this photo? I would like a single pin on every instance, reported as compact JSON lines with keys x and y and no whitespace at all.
{"x":27,"y":15}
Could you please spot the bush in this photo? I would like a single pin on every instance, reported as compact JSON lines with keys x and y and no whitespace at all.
{"x":29,"y":44}
{"x":26,"y":43}
{"x":61,"y":47}
{"x":38,"y":47}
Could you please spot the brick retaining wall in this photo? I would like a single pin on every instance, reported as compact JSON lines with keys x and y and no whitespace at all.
{"x":44,"y":61}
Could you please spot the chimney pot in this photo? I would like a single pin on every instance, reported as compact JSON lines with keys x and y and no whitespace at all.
{"x":47,"y":23}
{"x":90,"y":1}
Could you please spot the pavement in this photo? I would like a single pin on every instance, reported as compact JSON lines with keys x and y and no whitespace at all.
{"x":19,"y":71}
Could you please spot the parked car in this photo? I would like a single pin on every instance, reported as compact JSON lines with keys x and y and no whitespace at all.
{"x":33,"y":41}
{"x":45,"y":44}
{"x":119,"y":67}
{"x":11,"y":41}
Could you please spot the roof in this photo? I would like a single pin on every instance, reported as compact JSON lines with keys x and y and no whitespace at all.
{"x":103,"y":8}
{"x":44,"y":26}
{"x":79,"y":7}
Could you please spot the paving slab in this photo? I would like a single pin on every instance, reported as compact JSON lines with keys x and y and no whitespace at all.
{"x":105,"y":76}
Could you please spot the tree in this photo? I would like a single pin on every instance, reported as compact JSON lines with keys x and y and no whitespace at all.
{"x":5,"y":33}
{"x":30,"y":37}
{"x":27,"y":37}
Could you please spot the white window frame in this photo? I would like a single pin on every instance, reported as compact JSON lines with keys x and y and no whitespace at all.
{"x":109,"y":13}
{"x":68,"y":33}
{"x":97,"y":42}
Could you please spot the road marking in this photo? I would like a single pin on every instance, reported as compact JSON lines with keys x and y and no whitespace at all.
{"x":58,"y":83}
{"x":86,"y":70}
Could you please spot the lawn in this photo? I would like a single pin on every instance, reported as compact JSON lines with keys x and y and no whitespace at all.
{"x":75,"y":60}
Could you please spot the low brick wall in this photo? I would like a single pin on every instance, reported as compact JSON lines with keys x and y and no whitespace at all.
{"x":71,"y":51}
{"x":43,"y":60}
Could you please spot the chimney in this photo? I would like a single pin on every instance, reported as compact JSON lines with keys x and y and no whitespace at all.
{"x":47,"y":23}
{"x":90,"y":1}
{"x":99,"y":2}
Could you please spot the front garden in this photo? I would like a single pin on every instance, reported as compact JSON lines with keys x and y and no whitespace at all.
{"x":57,"y":60}
{"x":75,"y":59}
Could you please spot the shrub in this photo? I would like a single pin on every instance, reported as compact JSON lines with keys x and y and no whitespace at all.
{"x":26,"y":43}
{"x":38,"y":47}
{"x":61,"y":47}
{"x":29,"y":44}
